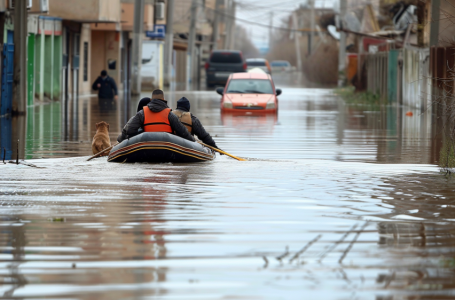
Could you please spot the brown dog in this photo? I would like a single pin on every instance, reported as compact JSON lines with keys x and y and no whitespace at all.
{"x":101,"y":139}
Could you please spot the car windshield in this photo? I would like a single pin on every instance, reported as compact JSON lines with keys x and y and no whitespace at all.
{"x":250,"y":86}
{"x":279,"y":64}
{"x":226,"y":57}
{"x":255,"y":63}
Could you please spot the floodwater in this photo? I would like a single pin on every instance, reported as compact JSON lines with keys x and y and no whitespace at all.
{"x":336,"y":202}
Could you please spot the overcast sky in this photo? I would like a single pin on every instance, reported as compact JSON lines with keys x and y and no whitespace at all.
{"x":260,"y":11}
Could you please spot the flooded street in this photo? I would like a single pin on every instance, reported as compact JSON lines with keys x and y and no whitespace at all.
{"x":336,"y":202}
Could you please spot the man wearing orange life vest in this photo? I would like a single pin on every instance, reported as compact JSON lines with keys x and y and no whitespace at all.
{"x":155,"y":117}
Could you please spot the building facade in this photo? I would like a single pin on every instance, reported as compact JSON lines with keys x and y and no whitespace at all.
{"x":72,"y":42}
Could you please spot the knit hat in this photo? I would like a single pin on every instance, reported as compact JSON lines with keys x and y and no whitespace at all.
{"x":183,"y":104}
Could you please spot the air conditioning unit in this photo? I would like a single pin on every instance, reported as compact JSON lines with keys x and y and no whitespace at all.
{"x":44,"y":6}
{"x":11,"y":3}
{"x":159,"y":11}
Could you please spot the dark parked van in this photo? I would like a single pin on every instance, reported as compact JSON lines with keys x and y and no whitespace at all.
{"x":221,"y":64}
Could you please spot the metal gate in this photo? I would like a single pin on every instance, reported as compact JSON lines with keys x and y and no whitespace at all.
{"x":6,"y":103}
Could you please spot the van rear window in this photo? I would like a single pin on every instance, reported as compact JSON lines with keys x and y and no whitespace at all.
{"x":279,"y":64}
{"x":256,"y":63}
{"x":226,"y":57}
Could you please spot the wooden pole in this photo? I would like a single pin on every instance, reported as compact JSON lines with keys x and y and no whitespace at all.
{"x":101,"y":152}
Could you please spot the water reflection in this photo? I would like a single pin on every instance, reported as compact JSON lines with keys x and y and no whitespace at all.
{"x":250,"y":124}
{"x":73,"y":239}
{"x":419,"y":247}
{"x":311,"y":123}
{"x":6,"y":139}
{"x":15,"y":235}
{"x":202,"y":231}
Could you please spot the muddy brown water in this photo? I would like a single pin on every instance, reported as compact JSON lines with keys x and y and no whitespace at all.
{"x":341,"y":203}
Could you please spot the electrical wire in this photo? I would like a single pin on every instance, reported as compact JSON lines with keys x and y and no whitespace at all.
{"x":251,"y":22}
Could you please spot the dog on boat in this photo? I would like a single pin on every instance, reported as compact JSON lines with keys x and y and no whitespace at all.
{"x":101,"y":139}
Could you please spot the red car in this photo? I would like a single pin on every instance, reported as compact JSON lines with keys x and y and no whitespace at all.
{"x":253,"y":92}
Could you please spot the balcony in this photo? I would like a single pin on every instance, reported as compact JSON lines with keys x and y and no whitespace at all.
{"x":86,"y":11}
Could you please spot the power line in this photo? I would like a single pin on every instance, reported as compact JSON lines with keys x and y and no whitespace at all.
{"x":251,"y":22}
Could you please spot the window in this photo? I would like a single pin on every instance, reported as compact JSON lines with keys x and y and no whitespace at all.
{"x":85,"y":61}
{"x":280,"y":64}
{"x":256,"y":63}
{"x":226,"y":57}
{"x":250,"y":86}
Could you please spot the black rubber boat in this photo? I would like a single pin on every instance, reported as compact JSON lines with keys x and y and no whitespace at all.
{"x":159,"y":147}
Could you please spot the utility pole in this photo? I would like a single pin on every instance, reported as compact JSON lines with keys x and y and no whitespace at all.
{"x":232,"y":30}
{"x":20,"y":59}
{"x":19,"y":108}
{"x":138,"y":29}
{"x":421,"y":23}
{"x":169,"y":43}
{"x":342,"y":51}
{"x":230,"y":26}
{"x":227,"y":25}
{"x":192,"y":39}
{"x":297,"y":42}
{"x":271,"y":31}
{"x":312,"y":26}
{"x":435,"y":16}
{"x":216,"y":25}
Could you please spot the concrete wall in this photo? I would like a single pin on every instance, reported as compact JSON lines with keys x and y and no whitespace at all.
{"x":128,"y":17}
{"x":84,"y":10}
{"x":75,"y":10}
{"x":38,"y":64}
{"x":57,"y":85}
{"x":48,"y":45}
{"x":112,"y":50}
{"x":85,"y":87}
{"x":105,"y":47}
{"x":98,"y":50}
{"x":109,"y":10}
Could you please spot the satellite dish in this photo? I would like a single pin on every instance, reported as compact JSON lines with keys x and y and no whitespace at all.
{"x":333,"y":32}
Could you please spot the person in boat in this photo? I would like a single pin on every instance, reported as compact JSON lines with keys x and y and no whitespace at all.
{"x":192,"y":123}
{"x":156,"y":116}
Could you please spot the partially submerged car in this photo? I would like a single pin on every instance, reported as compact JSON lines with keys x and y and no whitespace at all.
{"x":261,"y":63}
{"x":253,"y":91}
{"x":221,"y":64}
{"x":281,"y":66}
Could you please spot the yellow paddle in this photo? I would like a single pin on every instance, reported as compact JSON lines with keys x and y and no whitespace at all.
{"x":101,"y":152}
{"x":221,"y":151}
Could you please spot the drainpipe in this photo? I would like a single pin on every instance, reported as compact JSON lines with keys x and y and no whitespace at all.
{"x":138,"y":29}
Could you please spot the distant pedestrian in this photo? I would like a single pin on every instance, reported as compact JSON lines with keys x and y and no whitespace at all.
{"x":106,"y":87}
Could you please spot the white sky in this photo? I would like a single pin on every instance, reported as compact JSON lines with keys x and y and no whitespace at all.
{"x":259,"y":11}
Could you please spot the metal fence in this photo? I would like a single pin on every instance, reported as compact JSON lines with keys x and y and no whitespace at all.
{"x":377,"y":69}
{"x":416,"y":78}
{"x":400,"y":76}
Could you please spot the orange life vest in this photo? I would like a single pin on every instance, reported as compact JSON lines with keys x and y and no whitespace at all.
{"x":157,"y":121}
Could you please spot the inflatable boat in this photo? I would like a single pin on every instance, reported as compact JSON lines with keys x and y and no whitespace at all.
{"x":159,"y":147}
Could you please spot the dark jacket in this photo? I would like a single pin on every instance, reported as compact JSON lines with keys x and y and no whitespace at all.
{"x":108,"y":88}
{"x":156,"y":105}
{"x":200,"y":132}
